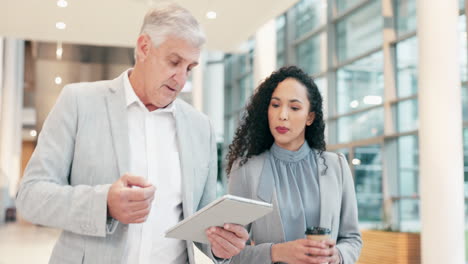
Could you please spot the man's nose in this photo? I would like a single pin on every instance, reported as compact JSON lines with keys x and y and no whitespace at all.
{"x":180,"y":76}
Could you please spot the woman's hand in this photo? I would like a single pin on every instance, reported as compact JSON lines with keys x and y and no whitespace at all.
{"x":304,"y":251}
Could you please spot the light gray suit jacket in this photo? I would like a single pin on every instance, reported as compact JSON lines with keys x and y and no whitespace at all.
{"x":82,"y":149}
{"x":338,"y":207}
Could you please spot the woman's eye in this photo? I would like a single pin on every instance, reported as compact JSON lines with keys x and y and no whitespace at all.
{"x":274,"y":105}
{"x":295,"y":108}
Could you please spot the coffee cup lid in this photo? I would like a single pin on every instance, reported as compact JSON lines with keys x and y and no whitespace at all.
{"x":317,"y":231}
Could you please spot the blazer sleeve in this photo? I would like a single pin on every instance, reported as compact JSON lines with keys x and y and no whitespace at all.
{"x":260,"y":253}
{"x":45,"y":195}
{"x":349,"y":242}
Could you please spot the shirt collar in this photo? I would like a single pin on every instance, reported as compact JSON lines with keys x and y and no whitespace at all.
{"x":131,"y":97}
{"x":290,"y":156}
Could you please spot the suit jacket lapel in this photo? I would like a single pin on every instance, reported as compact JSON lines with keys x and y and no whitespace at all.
{"x":117,"y":114}
{"x":326,"y":186}
{"x":185,"y":150}
{"x":266,"y":191}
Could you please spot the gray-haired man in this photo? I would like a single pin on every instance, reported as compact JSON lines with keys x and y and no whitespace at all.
{"x":118,"y":162}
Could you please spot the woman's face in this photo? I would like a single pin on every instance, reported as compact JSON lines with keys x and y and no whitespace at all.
{"x":289,"y":114}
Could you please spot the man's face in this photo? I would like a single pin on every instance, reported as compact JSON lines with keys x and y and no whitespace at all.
{"x":166,"y":69}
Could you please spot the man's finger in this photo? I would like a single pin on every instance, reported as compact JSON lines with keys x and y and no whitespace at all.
{"x":138,"y":205}
{"x":217,"y":248}
{"x":238,"y":230}
{"x":227,"y":247}
{"x":140,"y":194}
{"x":230,"y":237}
{"x":132,"y":180}
{"x":140,"y":214}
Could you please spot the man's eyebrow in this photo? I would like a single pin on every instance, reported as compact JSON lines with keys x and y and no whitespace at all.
{"x":174,"y":54}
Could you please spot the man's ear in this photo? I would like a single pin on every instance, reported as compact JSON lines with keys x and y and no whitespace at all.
{"x":143,"y":46}
{"x":310,"y":118}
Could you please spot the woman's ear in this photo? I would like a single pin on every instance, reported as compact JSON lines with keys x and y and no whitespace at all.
{"x":310,"y":118}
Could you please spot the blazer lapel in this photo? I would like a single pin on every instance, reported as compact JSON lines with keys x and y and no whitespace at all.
{"x":267,"y":193}
{"x":117,"y":114}
{"x":185,"y":150}
{"x":326,"y":186}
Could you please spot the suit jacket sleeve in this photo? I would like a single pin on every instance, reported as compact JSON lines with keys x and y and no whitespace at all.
{"x":261,"y":253}
{"x":349,"y":242}
{"x":45,"y":195}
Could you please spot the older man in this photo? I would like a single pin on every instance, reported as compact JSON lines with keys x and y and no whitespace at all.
{"x":118,"y":162}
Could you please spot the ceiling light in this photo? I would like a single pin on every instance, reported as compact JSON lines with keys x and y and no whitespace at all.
{"x":354,"y":104}
{"x":33,"y":133}
{"x":60,"y":25}
{"x":356,"y":162}
{"x":62,"y":3}
{"x":59,"y":51}
{"x":372,"y":100}
{"x":58,"y":80}
{"x":211,"y":15}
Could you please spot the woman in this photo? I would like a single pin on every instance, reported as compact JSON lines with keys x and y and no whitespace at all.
{"x":278,"y":156}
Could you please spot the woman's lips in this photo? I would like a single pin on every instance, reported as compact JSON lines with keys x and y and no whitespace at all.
{"x":282,"y":130}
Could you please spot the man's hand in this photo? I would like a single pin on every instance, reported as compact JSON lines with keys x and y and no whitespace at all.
{"x":227,"y":241}
{"x":130,"y":205}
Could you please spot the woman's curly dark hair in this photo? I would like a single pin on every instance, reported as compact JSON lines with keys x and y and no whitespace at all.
{"x":253,"y":136}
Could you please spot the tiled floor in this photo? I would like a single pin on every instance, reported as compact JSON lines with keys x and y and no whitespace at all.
{"x":22,"y":243}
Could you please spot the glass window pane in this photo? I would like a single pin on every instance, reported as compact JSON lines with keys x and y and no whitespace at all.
{"x":461,"y":4}
{"x":463,"y":47}
{"x":408,"y":165}
{"x":407,"y":115}
{"x":311,"y":54}
{"x":405,"y":16}
{"x":409,"y":215}
{"x":360,"y":31}
{"x":360,"y":126}
{"x":322,"y":86}
{"x":246,"y":88}
{"x":280,"y":40}
{"x":308,"y":15}
{"x":342,"y":5}
{"x":465,"y":101}
{"x":407,"y":70}
{"x":465,"y":152}
{"x":360,"y":84}
{"x":367,"y":164}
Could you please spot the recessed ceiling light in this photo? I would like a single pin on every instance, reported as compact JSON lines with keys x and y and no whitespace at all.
{"x":60,"y":25}
{"x":62,"y":3}
{"x":211,"y":15}
{"x":58,"y":80}
{"x":33,"y":133}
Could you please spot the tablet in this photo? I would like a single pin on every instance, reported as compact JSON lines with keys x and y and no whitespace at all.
{"x":227,"y":209}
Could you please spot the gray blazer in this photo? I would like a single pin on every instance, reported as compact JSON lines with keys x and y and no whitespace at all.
{"x":82,"y":149}
{"x":338,"y":207}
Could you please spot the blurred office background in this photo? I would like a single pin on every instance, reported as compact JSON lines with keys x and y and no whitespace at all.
{"x":365,"y":56}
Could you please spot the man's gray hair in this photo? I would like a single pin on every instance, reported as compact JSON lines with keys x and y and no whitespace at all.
{"x":169,"y":19}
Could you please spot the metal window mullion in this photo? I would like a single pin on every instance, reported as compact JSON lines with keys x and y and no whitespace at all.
{"x":332,"y":130}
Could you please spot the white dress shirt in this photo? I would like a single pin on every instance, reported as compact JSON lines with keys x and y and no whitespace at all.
{"x":154,"y":155}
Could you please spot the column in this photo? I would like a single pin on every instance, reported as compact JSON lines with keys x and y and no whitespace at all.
{"x":265,"y":52}
{"x":10,"y":121}
{"x":440,"y":134}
